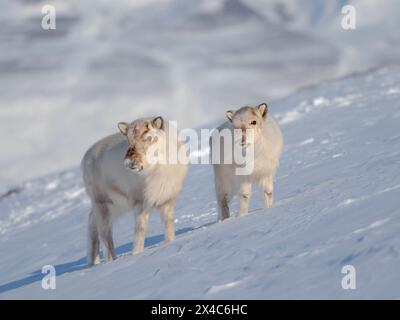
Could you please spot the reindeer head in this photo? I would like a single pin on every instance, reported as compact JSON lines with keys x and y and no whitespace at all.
{"x":141,"y":134}
{"x":248,"y":118}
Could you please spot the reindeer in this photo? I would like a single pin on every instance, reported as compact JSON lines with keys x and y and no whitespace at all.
{"x":119,"y":177}
{"x":267,"y":145}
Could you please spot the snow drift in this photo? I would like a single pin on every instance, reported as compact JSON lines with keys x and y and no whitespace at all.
{"x":337,"y":204}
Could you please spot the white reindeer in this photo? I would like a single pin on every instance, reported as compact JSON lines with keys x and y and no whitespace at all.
{"x":118,"y":178}
{"x":267,"y":144}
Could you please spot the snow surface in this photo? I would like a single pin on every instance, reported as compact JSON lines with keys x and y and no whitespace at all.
{"x":337,"y":203}
{"x":111,"y":61}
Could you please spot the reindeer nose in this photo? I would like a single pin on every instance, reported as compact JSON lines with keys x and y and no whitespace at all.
{"x":132,"y":164}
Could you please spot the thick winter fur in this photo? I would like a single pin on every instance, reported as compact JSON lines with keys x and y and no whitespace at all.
{"x":268,"y":145}
{"x":118,"y":179}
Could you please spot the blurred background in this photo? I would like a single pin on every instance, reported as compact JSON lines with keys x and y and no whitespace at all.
{"x":188,"y":60}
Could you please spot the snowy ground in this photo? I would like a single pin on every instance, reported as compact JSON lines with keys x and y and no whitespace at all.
{"x":337,"y":203}
{"x":111,"y":61}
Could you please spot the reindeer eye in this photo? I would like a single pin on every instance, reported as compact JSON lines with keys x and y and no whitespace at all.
{"x":253,"y":123}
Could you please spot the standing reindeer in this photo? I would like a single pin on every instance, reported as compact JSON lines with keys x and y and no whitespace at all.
{"x":118,"y":178}
{"x":267,"y":144}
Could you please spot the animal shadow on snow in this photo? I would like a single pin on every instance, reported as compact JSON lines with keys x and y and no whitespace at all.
{"x":80,"y":264}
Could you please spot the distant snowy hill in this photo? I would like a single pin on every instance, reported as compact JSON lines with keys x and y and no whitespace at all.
{"x":337,"y":203}
{"x":111,"y":61}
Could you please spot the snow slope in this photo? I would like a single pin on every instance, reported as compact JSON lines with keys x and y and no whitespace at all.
{"x":110,"y":61}
{"x":337,"y":203}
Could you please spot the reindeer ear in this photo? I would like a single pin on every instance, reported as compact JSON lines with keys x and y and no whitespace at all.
{"x":123,"y":127}
{"x":263,"y":109}
{"x":229,"y":114}
{"x":158,"y":123}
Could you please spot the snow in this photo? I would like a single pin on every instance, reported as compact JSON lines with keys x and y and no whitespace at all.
{"x":111,"y":61}
{"x":330,"y":211}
